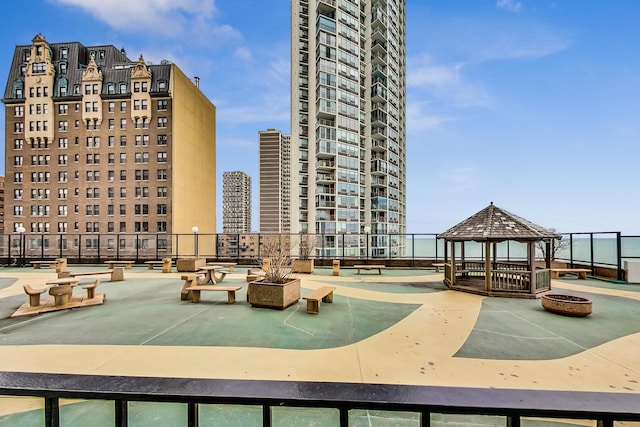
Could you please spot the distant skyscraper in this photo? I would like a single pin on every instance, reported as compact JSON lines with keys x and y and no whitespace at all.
{"x":348,"y":112}
{"x":236,"y":202}
{"x":274,"y":152}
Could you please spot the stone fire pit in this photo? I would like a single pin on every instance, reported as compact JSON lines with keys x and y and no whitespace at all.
{"x":567,"y":305}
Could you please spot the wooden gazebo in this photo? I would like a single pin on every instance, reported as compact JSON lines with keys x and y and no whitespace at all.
{"x":490,"y":275}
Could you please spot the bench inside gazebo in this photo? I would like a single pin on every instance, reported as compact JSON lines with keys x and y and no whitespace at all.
{"x":490,"y":275}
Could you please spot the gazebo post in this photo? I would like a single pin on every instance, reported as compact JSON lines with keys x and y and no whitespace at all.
{"x":532,"y":266}
{"x":487,"y":266}
{"x":453,"y":263}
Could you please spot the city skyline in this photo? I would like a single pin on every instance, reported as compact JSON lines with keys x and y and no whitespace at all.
{"x":530,"y":105}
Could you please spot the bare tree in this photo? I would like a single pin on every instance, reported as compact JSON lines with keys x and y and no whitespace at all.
{"x":557,"y":246}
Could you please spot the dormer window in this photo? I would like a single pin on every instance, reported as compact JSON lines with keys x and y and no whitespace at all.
{"x":38,"y":67}
{"x":123,"y":88}
{"x":162,"y":85}
{"x":111,"y":88}
{"x":64,"y":53}
{"x":76,"y":89}
{"x":63,"y":68}
{"x":26,"y":55}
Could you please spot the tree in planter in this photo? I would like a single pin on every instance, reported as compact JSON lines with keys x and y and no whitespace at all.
{"x":278,"y":289}
{"x":304,"y":264}
{"x":275,"y":249}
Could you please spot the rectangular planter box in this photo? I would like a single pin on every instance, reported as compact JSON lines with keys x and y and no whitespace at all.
{"x":190,"y":264}
{"x":274,"y":295}
{"x":302,"y":266}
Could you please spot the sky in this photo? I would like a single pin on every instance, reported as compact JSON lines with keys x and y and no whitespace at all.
{"x":531,"y":105}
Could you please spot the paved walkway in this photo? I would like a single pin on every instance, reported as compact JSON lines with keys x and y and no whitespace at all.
{"x":401,"y":327}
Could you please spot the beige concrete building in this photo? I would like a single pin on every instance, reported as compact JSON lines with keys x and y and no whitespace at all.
{"x":274,"y":187}
{"x":97,"y":143}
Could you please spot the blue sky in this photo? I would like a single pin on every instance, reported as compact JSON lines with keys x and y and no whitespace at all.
{"x":534,"y":105}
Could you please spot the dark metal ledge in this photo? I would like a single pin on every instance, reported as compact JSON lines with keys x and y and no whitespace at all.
{"x":603,"y":407}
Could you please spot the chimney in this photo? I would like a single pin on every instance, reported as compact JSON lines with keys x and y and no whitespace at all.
{"x":197,"y":81}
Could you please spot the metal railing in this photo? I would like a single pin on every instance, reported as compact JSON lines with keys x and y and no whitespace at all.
{"x":593,"y":249}
{"x":512,"y":404}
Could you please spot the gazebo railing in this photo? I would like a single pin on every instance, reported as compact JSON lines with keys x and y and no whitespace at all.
{"x":511,"y":280}
{"x":543,"y":279}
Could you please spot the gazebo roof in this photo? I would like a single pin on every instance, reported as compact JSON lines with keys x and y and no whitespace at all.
{"x":495,"y":224}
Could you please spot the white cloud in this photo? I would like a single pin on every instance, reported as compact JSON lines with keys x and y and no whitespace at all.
{"x":509,"y":5}
{"x":445,"y":82}
{"x":193,"y":19}
{"x":242,"y":53}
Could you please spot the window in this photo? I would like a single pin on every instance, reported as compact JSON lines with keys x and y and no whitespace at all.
{"x":123,"y":141}
{"x":162,"y":157}
{"x":123,"y":123}
{"x":162,"y":191}
{"x":18,"y":127}
{"x":162,"y":227}
{"x":112,"y":124}
{"x":111,"y":89}
{"x":162,"y":139}
{"x":136,"y":86}
{"x":162,"y":104}
{"x":162,"y":122}
{"x":136,"y":104}
{"x":111,"y":158}
{"x":162,"y":174}
{"x":18,"y":144}
{"x":17,"y":177}
{"x":112,"y":141}
{"x":162,"y":209}
{"x":63,"y":109}
{"x":145,"y":86}
{"x":62,"y":159}
{"x":123,"y":157}
{"x":18,"y":111}
{"x":123,"y":106}
{"x":123,"y":192}
{"x":94,"y":88}
{"x":17,"y":194}
{"x":64,"y":53}
{"x":141,"y":227}
{"x":111,"y":175}
{"x":123,"y":209}
{"x":123,"y":228}
{"x":162,"y":86}
{"x":111,"y":192}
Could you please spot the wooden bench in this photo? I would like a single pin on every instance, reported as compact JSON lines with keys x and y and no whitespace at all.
{"x":112,"y":263}
{"x":34,"y":294}
{"x":91,"y":288}
{"x":193,"y":292}
{"x":255,"y":274}
{"x":229,"y":265}
{"x":437,"y":265}
{"x":44,"y":263}
{"x":324,"y":293}
{"x":116,"y":274}
{"x":581,"y":272}
{"x":164,"y":263}
{"x":379,"y":267}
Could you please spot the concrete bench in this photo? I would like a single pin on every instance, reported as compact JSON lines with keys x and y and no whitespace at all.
{"x":34,"y":294}
{"x":379,"y":267}
{"x":164,"y":263}
{"x":194,"y":292}
{"x":437,"y":265}
{"x":112,"y":263}
{"x":116,"y":274}
{"x":324,"y":293}
{"x":581,"y":272}
{"x":91,"y":288}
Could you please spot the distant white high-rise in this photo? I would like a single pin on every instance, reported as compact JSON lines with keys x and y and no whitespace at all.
{"x":348,"y":110}
{"x":236,"y":202}
{"x":274,"y":175}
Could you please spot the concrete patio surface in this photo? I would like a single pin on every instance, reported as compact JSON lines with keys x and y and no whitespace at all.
{"x":401,"y":327}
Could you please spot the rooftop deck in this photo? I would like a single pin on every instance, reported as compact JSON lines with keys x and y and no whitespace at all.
{"x":403,"y":327}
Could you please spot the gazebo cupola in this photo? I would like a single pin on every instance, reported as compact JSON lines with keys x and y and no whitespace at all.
{"x":491,"y":275}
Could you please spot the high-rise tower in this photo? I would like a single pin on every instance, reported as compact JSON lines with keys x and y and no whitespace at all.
{"x":348,"y":111}
{"x":274,"y":152}
{"x":236,"y":202}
